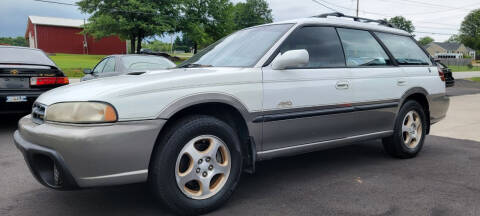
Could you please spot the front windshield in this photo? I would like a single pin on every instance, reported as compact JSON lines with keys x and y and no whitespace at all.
{"x":241,"y":49}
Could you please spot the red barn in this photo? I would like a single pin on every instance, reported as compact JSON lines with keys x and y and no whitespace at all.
{"x":59,"y":35}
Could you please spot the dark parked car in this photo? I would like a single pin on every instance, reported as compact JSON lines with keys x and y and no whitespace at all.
{"x":115,"y":65}
{"x":449,"y":80}
{"x":25,"y":73}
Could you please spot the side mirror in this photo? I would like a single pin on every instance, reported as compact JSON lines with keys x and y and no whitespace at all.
{"x":87,"y":71}
{"x":291,"y":58}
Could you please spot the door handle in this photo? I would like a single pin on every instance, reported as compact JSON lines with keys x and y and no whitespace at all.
{"x":401,"y":82}
{"x":342,"y":85}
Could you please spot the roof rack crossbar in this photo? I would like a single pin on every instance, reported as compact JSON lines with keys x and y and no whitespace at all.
{"x":355,"y":18}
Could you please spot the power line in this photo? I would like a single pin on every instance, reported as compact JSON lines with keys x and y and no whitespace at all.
{"x":429,"y":27}
{"x":55,"y":2}
{"x":439,"y":5}
{"x":435,"y":33}
{"x":324,"y":5}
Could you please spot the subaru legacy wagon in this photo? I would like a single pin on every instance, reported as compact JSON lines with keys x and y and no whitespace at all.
{"x":263,"y":92}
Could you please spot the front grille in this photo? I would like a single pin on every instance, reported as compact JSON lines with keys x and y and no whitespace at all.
{"x":38,"y":113}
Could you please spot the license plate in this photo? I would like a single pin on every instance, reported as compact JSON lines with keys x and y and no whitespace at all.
{"x":14,"y":83}
{"x":16,"y":99}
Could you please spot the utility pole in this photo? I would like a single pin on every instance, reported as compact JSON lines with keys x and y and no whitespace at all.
{"x":358,"y":2}
{"x":85,"y":43}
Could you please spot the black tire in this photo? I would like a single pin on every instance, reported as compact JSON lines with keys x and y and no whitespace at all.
{"x":162,"y":168}
{"x":394,"y":145}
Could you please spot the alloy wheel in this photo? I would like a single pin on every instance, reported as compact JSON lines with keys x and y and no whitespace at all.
{"x":412,"y":130}
{"x":202,"y":167}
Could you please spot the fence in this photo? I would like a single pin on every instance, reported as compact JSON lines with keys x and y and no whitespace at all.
{"x":458,"y":65}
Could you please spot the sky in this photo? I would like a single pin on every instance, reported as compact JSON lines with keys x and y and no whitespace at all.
{"x":435,"y":18}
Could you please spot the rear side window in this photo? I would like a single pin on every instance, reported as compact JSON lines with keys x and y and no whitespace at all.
{"x":109,"y":66}
{"x":322,"y":44}
{"x":362,"y":49}
{"x":404,"y":49}
{"x":100,"y":66}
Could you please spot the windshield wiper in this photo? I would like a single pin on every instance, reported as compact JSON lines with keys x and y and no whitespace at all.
{"x":195,"y":66}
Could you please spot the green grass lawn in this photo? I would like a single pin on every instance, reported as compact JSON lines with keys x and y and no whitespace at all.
{"x":463,"y":68}
{"x":73,"y":64}
{"x":475,"y":79}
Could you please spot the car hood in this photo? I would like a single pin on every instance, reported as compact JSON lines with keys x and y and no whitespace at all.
{"x":112,"y":88}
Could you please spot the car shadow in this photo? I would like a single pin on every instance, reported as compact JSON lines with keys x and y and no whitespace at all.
{"x":136,"y":199}
{"x":9,"y":121}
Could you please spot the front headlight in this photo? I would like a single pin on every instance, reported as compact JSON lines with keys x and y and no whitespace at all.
{"x":81,"y":112}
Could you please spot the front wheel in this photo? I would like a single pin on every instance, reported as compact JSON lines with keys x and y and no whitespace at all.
{"x":409,"y":132}
{"x":197,"y":165}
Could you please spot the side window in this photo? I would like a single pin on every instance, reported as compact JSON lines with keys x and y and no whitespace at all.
{"x":362,"y":49}
{"x":404,"y":49}
{"x":322,"y":44}
{"x":100,"y":66}
{"x":110,"y":65}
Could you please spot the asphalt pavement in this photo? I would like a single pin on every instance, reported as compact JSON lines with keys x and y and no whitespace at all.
{"x":355,"y":180}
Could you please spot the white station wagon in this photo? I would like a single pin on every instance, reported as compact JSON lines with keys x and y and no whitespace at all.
{"x":263,"y":92}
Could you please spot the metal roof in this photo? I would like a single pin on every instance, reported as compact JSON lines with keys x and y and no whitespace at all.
{"x":55,"y":21}
{"x":450,"y":46}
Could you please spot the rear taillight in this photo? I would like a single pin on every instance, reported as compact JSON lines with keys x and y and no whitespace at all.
{"x":441,"y":74}
{"x":40,"y":81}
{"x":62,"y":80}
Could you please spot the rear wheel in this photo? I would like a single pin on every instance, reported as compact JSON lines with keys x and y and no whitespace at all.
{"x":409,"y":133}
{"x":196,"y":166}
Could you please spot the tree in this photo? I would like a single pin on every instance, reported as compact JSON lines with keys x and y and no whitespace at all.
{"x":470,"y":30}
{"x":425,"y":40}
{"x":14,"y":41}
{"x":454,"y":38}
{"x":132,"y":19}
{"x":252,"y":12}
{"x":401,"y":22}
{"x":205,"y":21}
{"x":157,"y":46}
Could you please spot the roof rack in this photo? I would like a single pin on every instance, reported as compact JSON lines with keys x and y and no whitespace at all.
{"x":355,"y":18}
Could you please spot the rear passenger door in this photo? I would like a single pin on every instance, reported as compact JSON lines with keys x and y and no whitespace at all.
{"x":376,"y":82}
{"x":310,"y":103}
{"x":417,"y":66}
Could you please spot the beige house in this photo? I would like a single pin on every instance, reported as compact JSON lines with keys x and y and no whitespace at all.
{"x":449,"y":50}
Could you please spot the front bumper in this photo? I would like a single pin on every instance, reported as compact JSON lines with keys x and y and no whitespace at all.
{"x":87,"y":155}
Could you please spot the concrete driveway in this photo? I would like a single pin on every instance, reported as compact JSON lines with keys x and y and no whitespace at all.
{"x":464,"y":75}
{"x":463,"y":117}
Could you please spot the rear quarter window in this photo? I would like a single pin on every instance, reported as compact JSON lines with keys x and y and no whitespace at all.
{"x":404,"y":49}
